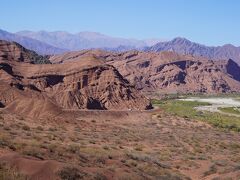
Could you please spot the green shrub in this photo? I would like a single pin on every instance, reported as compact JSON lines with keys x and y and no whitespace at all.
{"x":186,"y":110}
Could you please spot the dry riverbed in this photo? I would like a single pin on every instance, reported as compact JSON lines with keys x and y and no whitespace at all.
{"x":215,"y":104}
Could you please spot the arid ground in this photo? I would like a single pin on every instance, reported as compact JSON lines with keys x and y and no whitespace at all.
{"x":151,"y":144}
{"x":120,"y":90}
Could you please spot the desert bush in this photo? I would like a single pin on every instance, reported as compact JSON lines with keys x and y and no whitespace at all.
{"x":212,"y":170}
{"x":101,"y":160}
{"x":10,"y":173}
{"x":7,"y":128}
{"x":234,"y":146}
{"x":106,"y":147}
{"x":34,"y":152}
{"x":40,"y":128}
{"x":71,"y":173}
{"x":146,"y":158}
{"x":52,"y":148}
{"x":5,"y":141}
{"x":139,"y":148}
{"x":99,"y":176}
{"x":26,"y":128}
{"x":92,"y":142}
{"x":52,"y":129}
{"x":73,"y":148}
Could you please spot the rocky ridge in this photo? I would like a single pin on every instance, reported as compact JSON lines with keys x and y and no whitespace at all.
{"x":186,"y":47}
{"x":90,"y":84}
{"x":167,"y":72}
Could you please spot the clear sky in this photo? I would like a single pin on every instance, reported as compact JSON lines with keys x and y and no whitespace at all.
{"x":210,"y":22}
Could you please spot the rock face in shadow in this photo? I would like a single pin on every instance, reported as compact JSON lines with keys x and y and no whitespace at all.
{"x":12,"y":51}
{"x":1,"y":105}
{"x":233,"y":69}
{"x":88,"y":84}
{"x":167,"y":72}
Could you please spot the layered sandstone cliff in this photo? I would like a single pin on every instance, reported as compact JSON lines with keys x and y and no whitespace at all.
{"x":88,"y":84}
{"x":167,"y":72}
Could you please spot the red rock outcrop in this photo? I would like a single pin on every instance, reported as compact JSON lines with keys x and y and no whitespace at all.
{"x":88,"y":84}
{"x":167,"y":72}
{"x":12,"y":51}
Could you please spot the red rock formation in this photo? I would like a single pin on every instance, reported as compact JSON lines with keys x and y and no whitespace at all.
{"x":168,"y":72}
{"x":88,"y":84}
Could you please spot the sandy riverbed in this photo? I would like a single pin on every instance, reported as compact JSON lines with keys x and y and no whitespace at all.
{"x":216,"y":103}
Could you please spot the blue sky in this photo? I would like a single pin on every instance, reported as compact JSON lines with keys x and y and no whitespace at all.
{"x":210,"y":22}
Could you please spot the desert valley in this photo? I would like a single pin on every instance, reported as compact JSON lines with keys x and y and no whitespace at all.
{"x":97,"y":114}
{"x":78,"y":104}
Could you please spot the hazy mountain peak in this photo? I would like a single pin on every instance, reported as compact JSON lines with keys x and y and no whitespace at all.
{"x":181,"y":40}
{"x":153,"y":41}
{"x":229,"y":46}
{"x":30,"y":43}
{"x":82,"y":40}
{"x":2,"y":31}
{"x":184,"y":46}
{"x":90,"y":33}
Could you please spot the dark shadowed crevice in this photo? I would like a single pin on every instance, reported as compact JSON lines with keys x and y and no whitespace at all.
{"x":181,"y":77}
{"x":32,"y":87}
{"x":181,"y":64}
{"x":1,"y":105}
{"x":95,"y":104}
{"x":149,"y":106}
{"x":18,"y":86}
{"x":144,"y":64}
{"x":7,"y":68}
{"x":22,"y":87}
{"x":85,"y":81}
{"x":54,"y":79}
{"x":233,"y":69}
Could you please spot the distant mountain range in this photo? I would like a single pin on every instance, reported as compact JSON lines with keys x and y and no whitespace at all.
{"x":86,"y":40}
{"x":57,"y":42}
{"x":32,"y":44}
{"x":186,"y":47}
